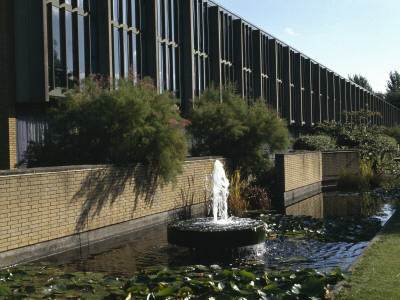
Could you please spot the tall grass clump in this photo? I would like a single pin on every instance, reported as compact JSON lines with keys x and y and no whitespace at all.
{"x":237,"y":204}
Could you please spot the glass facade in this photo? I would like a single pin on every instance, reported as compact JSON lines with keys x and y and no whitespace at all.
{"x":227,"y":60}
{"x":168,"y":37}
{"x":201,"y":67}
{"x":126,"y":37}
{"x":123,"y":38}
{"x":68,"y":29}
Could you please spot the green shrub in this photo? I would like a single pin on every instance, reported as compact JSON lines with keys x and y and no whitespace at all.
{"x":237,"y":204}
{"x":314,"y":143}
{"x":127,"y":125}
{"x":394,"y":132}
{"x":257,"y":197}
{"x":357,"y":133}
{"x":349,"y":180}
{"x":235,"y":130}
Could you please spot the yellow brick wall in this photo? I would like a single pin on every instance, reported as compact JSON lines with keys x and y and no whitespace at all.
{"x":313,"y":206}
{"x":12,"y":128}
{"x":334,"y":162}
{"x":302,"y":169}
{"x":41,"y":206}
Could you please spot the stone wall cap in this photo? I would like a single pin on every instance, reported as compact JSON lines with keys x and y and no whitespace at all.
{"x":70,"y":168}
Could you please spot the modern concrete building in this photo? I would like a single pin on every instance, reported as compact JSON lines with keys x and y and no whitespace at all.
{"x":184,"y":45}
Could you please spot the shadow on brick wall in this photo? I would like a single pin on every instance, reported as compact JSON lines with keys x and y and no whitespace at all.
{"x":104,"y":186}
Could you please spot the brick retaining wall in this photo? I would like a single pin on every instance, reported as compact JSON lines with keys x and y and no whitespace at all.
{"x":301,"y":174}
{"x":44,"y":204}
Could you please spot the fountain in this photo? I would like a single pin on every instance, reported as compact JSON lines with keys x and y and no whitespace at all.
{"x":219,"y":231}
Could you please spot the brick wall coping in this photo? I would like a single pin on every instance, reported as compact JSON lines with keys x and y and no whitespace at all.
{"x":72,"y":168}
{"x":297,"y":152}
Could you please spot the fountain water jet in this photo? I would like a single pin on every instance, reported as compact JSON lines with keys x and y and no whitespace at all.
{"x":218,"y":231}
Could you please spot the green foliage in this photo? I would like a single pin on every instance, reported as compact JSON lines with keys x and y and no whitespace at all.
{"x":187,"y":282}
{"x":314,"y":143}
{"x":235,"y":130}
{"x":257,"y":197}
{"x":393,"y":89}
{"x":361,"y":81}
{"x":237,"y":204}
{"x":394,"y":132}
{"x":127,"y":125}
{"x":349,"y":180}
{"x":357,"y":133}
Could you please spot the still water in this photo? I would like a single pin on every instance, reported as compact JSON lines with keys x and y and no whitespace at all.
{"x":286,"y":248}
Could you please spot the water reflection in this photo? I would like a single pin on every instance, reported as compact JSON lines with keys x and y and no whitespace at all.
{"x":337,"y":205}
{"x":124,"y":255}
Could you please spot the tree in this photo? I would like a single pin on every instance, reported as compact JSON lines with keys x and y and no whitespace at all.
{"x":393,"y":89}
{"x":236,"y":130}
{"x":130,"y":124}
{"x":359,"y":134}
{"x":361,"y":81}
{"x":393,"y":83}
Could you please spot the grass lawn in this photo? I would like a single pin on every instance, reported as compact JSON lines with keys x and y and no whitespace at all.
{"x":377,"y":273}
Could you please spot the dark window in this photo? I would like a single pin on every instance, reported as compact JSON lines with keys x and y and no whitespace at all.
{"x":116,"y":53}
{"x":70,"y":49}
{"x":168,"y":64}
{"x":125,"y":39}
{"x":68,"y":42}
{"x":81,"y":42}
{"x":57,"y":58}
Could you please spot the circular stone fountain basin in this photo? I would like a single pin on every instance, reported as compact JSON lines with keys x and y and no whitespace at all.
{"x":205,"y":233}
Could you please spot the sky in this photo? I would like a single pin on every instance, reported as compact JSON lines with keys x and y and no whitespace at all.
{"x":347,"y":36}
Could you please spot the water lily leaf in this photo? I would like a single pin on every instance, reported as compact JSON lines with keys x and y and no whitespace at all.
{"x":234,"y":286}
{"x":272,"y":287}
{"x":313,"y":287}
{"x":141,"y":279}
{"x":59,"y":287}
{"x":223,"y":296}
{"x":3,"y":291}
{"x":137,"y":289}
{"x":67,"y":276}
{"x":185,"y":291}
{"x":296,"y":289}
{"x":167,"y":291}
{"x":202,"y":268}
{"x":112,"y":282}
{"x":337,"y":272}
{"x":18,"y":274}
{"x":221,"y":285}
{"x":247,"y":276}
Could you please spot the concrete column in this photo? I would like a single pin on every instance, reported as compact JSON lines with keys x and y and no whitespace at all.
{"x":317,"y":92}
{"x":343,"y":98}
{"x":238,"y":55}
{"x":150,"y":64}
{"x":308,"y":105}
{"x":8,"y":134}
{"x":273,"y":60}
{"x":324,"y":95}
{"x":338,"y":98}
{"x":299,"y":114}
{"x":215,"y":47}
{"x":287,"y":94}
{"x":331,"y":96}
{"x":257,"y":64}
{"x":187,"y":48}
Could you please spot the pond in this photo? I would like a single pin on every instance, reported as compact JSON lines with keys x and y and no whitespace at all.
{"x":323,"y":232}
{"x":307,"y":247}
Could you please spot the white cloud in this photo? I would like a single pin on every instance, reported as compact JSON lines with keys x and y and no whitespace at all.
{"x":290,"y":31}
